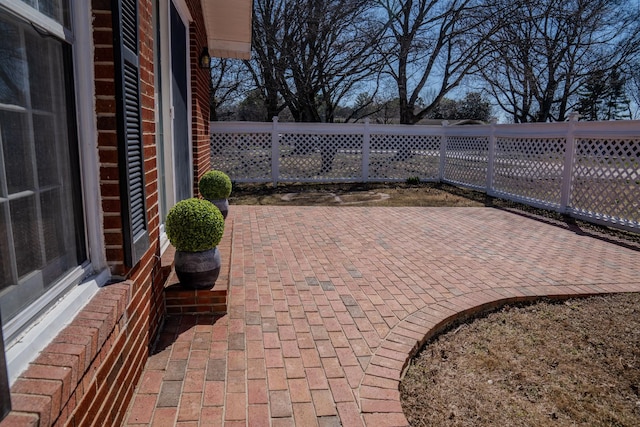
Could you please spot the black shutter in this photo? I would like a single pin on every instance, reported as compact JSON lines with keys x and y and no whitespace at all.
{"x":130,"y":150}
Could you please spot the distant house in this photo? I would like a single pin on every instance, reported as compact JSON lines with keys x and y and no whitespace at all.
{"x":103,"y":127}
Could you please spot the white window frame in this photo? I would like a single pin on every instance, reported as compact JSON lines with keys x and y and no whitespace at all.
{"x":84,"y":280}
{"x":38,"y":19}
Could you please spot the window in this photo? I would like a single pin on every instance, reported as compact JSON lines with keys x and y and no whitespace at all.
{"x":41,"y":222}
{"x":58,"y":10}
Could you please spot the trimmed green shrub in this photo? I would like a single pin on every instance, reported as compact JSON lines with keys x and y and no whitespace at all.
{"x":194,"y":225}
{"x":413,"y":180}
{"x":214,"y":185}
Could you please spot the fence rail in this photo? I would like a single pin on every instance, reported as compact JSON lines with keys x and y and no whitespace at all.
{"x":589,"y":170}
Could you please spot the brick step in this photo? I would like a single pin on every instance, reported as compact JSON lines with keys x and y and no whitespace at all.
{"x":179,"y":300}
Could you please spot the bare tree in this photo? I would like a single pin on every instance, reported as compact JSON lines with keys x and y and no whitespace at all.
{"x":430,"y":46}
{"x":269,"y":63}
{"x":229,"y":82}
{"x":365,"y":106}
{"x":334,"y":43}
{"x":312,"y":54}
{"x":543,"y":51}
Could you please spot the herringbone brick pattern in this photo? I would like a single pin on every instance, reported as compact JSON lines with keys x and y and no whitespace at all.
{"x":327,"y":305}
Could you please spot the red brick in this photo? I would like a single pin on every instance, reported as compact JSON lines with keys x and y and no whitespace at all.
{"x":194,"y":381}
{"x":33,"y":404}
{"x":257,"y":392}
{"x":142,"y":409}
{"x":212,"y":416}
{"x":385,"y":420}
{"x":304,"y":414}
{"x":340,"y":390}
{"x":235,"y":407}
{"x":299,"y":390}
{"x":273,"y":358}
{"x":280,"y":404}
{"x":214,"y":393}
{"x":368,"y":405}
{"x":258,"y":416}
{"x":370,"y":392}
{"x":379,"y":371}
{"x":61,"y":374}
{"x":323,"y":402}
{"x":317,"y":379}
{"x":190,"y":404}
{"x":277,"y":379}
{"x":164,"y":417}
{"x":349,"y":415}
{"x":15,"y":419}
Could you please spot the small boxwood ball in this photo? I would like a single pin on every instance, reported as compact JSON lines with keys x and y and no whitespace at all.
{"x":194,"y":225}
{"x":215,"y":185}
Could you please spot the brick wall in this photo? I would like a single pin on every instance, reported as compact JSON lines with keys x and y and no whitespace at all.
{"x":76,"y":379}
{"x":107,"y":133}
{"x":200,"y":81}
{"x":90,"y":370}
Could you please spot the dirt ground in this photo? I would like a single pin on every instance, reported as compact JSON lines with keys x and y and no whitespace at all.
{"x":396,"y":194}
{"x":571,"y":363}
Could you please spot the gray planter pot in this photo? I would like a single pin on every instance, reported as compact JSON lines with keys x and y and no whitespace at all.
{"x":223,"y":205}
{"x":198,"y":270}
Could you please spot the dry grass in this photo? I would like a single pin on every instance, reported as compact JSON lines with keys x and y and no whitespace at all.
{"x":575,"y":363}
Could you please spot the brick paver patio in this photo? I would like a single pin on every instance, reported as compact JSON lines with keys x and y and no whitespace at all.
{"x":328,"y":304}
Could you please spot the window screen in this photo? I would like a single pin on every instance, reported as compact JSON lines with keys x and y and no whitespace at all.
{"x":41,"y":225}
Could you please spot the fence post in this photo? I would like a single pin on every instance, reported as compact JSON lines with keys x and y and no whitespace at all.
{"x":366,"y":147}
{"x":567,"y":172}
{"x":443,"y":151}
{"x":275,"y":152}
{"x":491,"y":156}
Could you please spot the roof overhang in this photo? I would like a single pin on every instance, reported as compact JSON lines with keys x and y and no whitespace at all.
{"x":228,"y":25}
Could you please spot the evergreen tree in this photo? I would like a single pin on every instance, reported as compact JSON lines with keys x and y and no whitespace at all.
{"x":471,"y":107}
{"x":592,"y":95}
{"x":604,"y":97}
{"x":617,"y":103}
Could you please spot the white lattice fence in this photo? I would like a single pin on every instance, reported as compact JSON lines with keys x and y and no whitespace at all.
{"x":399,"y":157}
{"x":530,"y":168}
{"x":606,"y":180}
{"x":313,"y":157}
{"x":466,"y":161}
{"x":588,"y":170}
{"x":245,"y":155}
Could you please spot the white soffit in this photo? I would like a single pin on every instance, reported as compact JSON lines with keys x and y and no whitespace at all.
{"x":228,"y":24}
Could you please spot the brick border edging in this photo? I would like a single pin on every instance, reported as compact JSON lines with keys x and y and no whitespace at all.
{"x":379,"y":395}
{"x":62,"y":384}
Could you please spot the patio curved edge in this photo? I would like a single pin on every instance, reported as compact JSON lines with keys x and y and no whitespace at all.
{"x":379,"y":395}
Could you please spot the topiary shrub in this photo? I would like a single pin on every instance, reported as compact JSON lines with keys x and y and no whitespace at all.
{"x":214,"y":185}
{"x":194,"y":225}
